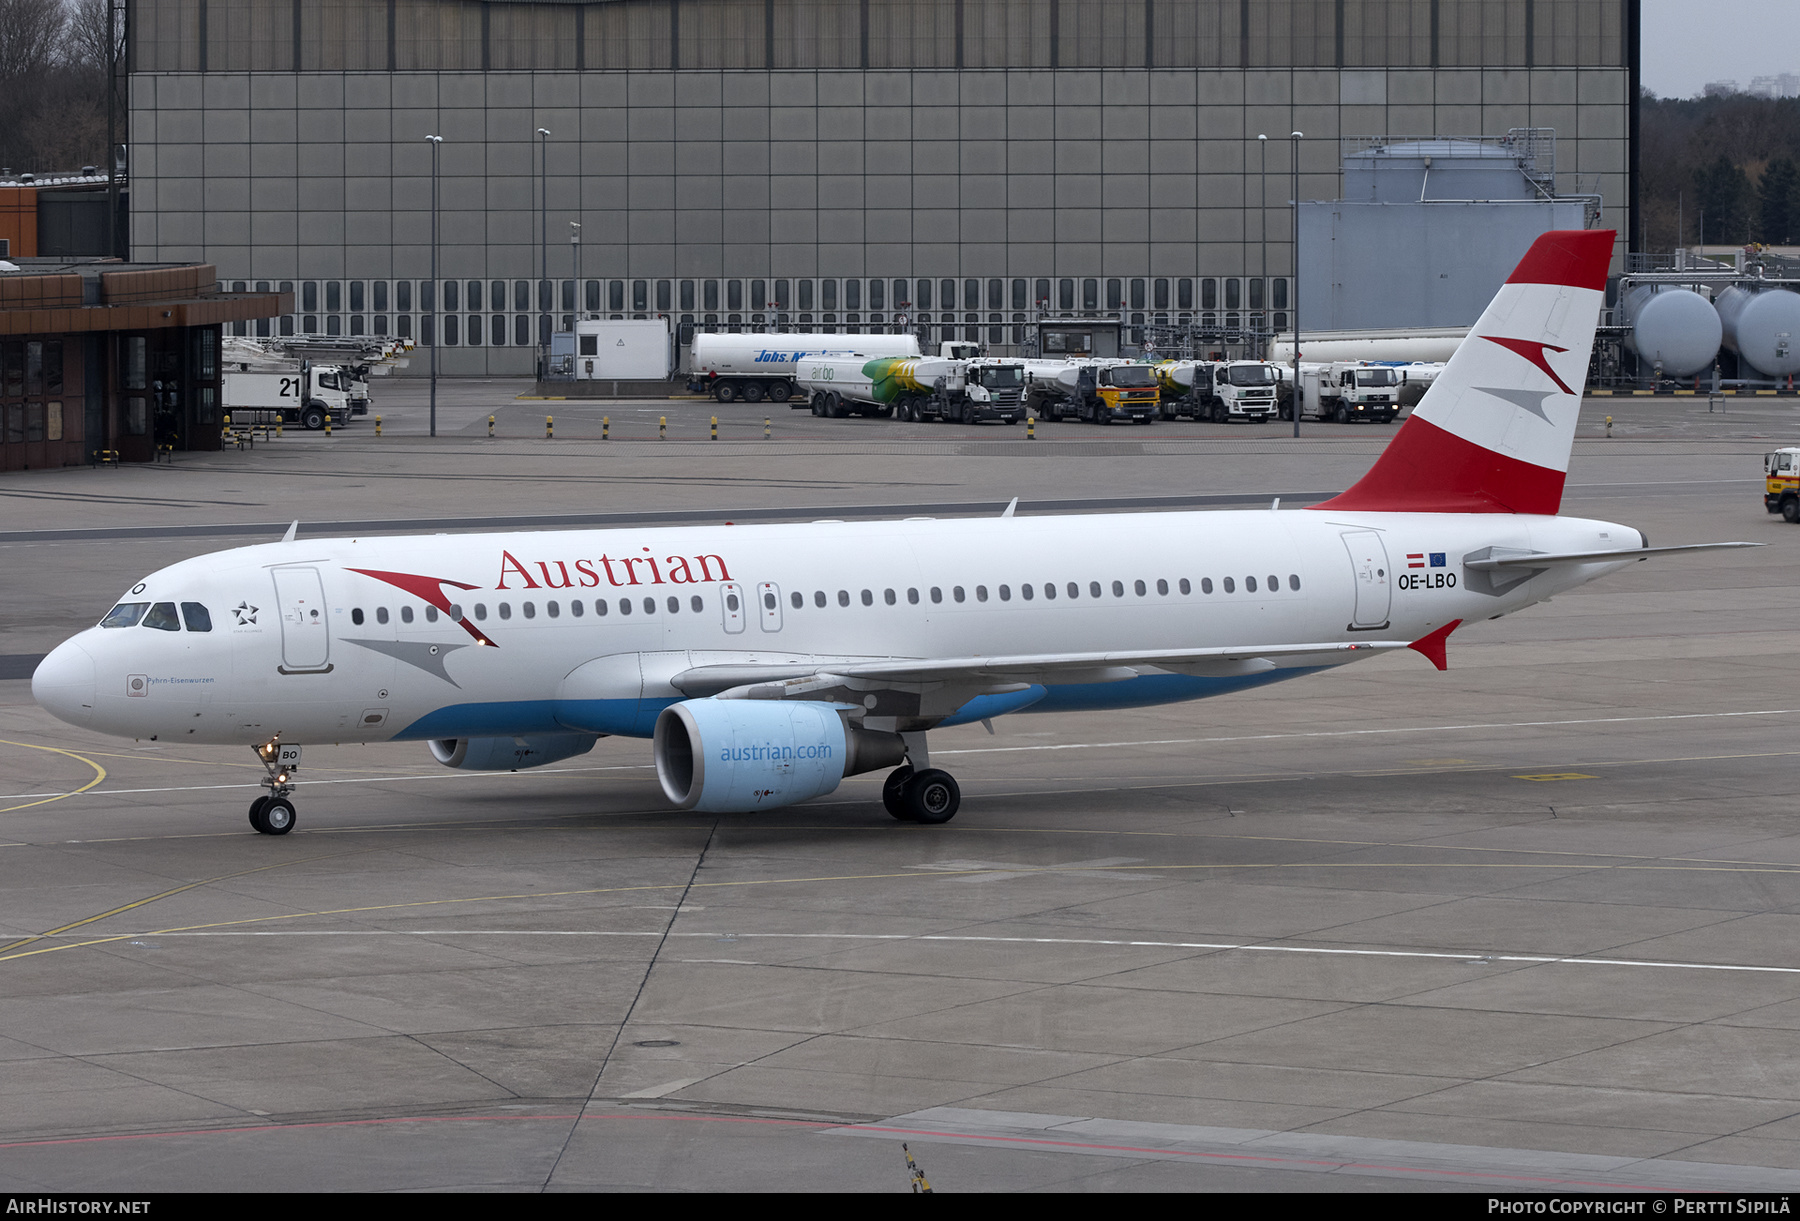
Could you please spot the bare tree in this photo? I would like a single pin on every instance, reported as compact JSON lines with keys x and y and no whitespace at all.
{"x":88,"y":42}
{"x":30,"y":38}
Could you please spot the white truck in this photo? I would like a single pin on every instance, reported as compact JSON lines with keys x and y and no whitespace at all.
{"x":624,"y":349}
{"x":309,"y":396}
{"x":753,"y":366}
{"x":914,"y":388}
{"x":1357,"y":390}
{"x":357,"y":359}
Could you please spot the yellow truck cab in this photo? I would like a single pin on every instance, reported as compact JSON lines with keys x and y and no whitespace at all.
{"x":1781,"y":489}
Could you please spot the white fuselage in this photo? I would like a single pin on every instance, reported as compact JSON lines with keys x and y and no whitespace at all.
{"x":305,"y":646}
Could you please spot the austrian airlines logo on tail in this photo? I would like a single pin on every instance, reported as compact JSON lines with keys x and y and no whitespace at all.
{"x":1483,"y":439}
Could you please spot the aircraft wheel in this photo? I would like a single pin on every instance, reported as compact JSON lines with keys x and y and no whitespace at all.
{"x":256,"y":813}
{"x":724,"y":392}
{"x":933,"y":796}
{"x":277,"y":816}
{"x":1790,"y":510}
{"x":893,"y":793}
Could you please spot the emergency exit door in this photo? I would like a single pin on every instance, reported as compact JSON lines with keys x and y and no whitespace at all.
{"x":1374,"y":578}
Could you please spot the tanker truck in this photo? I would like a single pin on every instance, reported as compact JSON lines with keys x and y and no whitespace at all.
{"x":1099,"y":392}
{"x":914,"y":388}
{"x":756,"y":366}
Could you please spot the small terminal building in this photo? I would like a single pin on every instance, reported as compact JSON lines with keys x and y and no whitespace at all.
{"x":107,"y":360}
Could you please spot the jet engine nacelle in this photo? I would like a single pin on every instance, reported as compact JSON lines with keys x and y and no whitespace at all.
{"x":728,"y":756}
{"x":510,"y":754}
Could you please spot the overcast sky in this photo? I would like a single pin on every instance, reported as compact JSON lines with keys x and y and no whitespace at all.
{"x":1687,"y":44}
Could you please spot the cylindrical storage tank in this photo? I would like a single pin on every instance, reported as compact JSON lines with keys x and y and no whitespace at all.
{"x":1674,"y":326}
{"x":1762,"y":327}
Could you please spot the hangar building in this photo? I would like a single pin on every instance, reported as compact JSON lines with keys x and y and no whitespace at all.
{"x":818,"y":163}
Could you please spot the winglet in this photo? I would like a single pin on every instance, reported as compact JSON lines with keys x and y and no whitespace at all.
{"x":1432,"y":646}
{"x":291,"y":531}
{"x":1008,"y":511}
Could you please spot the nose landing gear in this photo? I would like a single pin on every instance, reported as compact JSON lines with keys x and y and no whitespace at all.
{"x":274,"y":814}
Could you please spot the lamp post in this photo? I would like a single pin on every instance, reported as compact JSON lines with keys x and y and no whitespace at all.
{"x":435,"y":142}
{"x":1262,"y":219}
{"x":1294,"y":297}
{"x":543,"y":134}
{"x":575,"y":252}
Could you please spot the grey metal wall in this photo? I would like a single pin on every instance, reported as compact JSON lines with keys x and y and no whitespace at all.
{"x":1004,"y":174}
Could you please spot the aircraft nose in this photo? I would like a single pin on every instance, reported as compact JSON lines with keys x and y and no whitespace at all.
{"x":63,"y":684}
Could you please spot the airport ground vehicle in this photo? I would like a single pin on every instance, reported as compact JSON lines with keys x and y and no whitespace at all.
{"x":754,"y":366}
{"x":357,"y":359}
{"x":1781,"y":486}
{"x":309,"y":396}
{"x":1220,"y":391}
{"x":1097,"y":392}
{"x":914,"y":388}
{"x":766,"y":663}
{"x":1353,"y":390}
{"x":969,"y":391}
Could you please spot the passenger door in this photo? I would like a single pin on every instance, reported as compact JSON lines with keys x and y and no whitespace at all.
{"x":768,"y":597}
{"x":1374,"y":580}
{"x":305,"y":637}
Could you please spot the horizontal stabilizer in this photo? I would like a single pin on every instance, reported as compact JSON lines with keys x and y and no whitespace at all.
{"x":1539,"y":559}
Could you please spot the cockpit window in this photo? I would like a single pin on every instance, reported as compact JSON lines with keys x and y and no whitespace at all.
{"x":162,"y":618}
{"x":125,"y":614}
{"x":196,"y":616}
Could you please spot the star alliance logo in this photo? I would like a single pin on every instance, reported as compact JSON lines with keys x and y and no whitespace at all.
{"x":246,"y":614}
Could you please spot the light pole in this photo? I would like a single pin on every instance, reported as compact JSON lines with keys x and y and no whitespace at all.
{"x":575,"y":251}
{"x":1294,"y":297}
{"x":1262,"y":221}
{"x":435,"y":141}
{"x":543,"y":134}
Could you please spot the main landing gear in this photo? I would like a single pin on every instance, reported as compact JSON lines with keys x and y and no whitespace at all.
{"x":926,"y":795}
{"x":274,"y":814}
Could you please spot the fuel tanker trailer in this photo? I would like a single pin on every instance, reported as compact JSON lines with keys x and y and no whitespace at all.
{"x":914,"y":388}
{"x":758,"y":366}
{"x":1673,"y":329}
{"x":1762,"y":325}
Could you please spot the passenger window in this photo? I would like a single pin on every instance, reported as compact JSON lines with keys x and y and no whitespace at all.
{"x":530,"y":609}
{"x":1074,"y":590}
{"x":731,"y":604}
{"x":675,"y":604}
{"x":912,"y":596}
{"x":1205,"y":585}
{"x":937,"y":595}
{"x":868,"y":598}
{"x":887,"y":595}
{"x":356,"y":615}
{"x":575,"y":609}
{"x":818,"y":597}
{"x":1049,"y":589}
{"x":431,"y":615}
{"x":649,"y":606}
{"x":1118,"y":589}
{"x":981,"y":593}
{"x":1138,"y":586}
{"x":1093,"y":589}
{"x":600,"y":607}
{"x":1185,"y":587}
{"x":199,"y":620}
{"x":125,"y":614}
{"x":768,"y":600}
{"x":1026,"y":592}
{"x":1005,"y":593}
{"x":1229,"y":587}
{"x":625,"y":605}
{"x":797,"y":599}
{"x":1250,"y":585}
{"x":1274,"y":583}
{"x":1294,"y":581}
{"x":843,"y":597}
{"x":553,"y":609}
{"x":957,"y":593}
{"x":381,"y":615}
{"x":455,"y":612}
{"x":406,"y":614}
{"x":505,"y":610}
{"x":696,"y":604}
{"x":162,"y":618}
{"x":1162,"y":586}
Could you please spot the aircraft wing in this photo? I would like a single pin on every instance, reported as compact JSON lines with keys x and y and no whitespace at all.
{"x":1006,"y":671}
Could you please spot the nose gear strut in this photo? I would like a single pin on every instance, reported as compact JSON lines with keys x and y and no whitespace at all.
{"x":274,"y":814}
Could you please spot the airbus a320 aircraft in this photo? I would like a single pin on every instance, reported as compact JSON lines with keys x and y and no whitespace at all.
{"x":770,"y":662}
